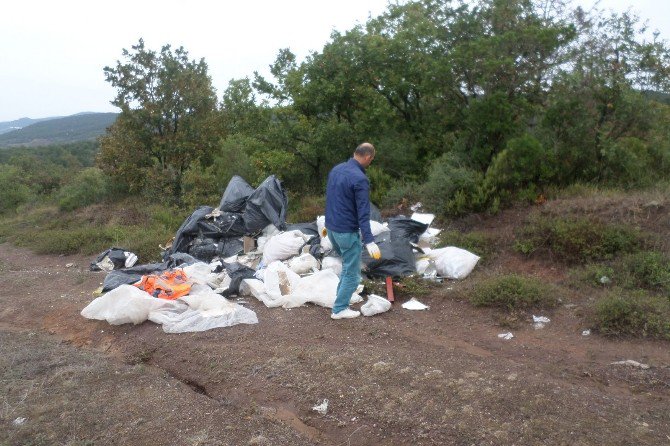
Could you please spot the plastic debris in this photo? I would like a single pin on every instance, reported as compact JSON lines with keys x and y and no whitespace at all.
{"x":605,"y":280}
{"x":586,"y":333}
{"x":414,"y":304}
{"x":631,"y":363}
{"x":453,"y":263}
{"x":321,"y":408}
{"x":416,"y":207}
{"x":423,"y":218}
{"x":19,"y":421}
{"x":375,"y":305}
{"x":506,"y":336}
{"x":540,"y":321}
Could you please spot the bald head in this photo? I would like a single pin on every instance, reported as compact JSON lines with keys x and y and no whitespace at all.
{"x":364,"y":154}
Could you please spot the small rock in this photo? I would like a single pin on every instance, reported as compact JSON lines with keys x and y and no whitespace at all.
{"x":512,"y":377}
{"x":631,"y":363}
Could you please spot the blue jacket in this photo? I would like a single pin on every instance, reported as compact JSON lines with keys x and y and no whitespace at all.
{"x":348,"y":200}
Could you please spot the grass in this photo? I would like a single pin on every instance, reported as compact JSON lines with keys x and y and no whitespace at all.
{"x":138,"y":227}
{"x":577,"y":239}
{"x":513,"y":292}
{"x":635,"y":313}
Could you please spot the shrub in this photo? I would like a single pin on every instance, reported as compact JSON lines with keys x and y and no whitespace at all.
{"x":89,"y":186}
{"x":626,"y":162}
{"x":648,"y":269}
{"x":521,"y":166}
{"x":513,"y":292}
{"x":451,"y":188}
{"x":13,"y":192}
{"x":577,"y":239}
{"x":635,"y":313}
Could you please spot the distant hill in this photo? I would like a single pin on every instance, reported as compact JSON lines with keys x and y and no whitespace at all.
{"x":79,"y":127}
{"x":9,"y":126}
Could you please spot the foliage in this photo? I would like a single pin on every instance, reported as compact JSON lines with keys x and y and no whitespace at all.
{"x":13,"y":191}
{"x":87,"y":187}
{"x":577,"y":239}
{"x":83,"y":127}
{"x":168,"y":119}
{"x":513,"y":292}
{"x":633,"y":313}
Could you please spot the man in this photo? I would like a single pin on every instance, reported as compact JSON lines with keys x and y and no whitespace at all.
{"x":347,"y":211}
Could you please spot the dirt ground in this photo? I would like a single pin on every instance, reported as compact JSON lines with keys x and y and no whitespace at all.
{"x":436,"y":377}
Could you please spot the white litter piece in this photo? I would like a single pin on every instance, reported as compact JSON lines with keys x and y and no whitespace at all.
{"x":334,"y":263}
{"x":506,"y":336}
{"x":452,"y":262}
{"x":326,"y":245}
{"x":303,"y":264}
{"x":605,"y":280}
{"x":199,"y":272}
{"x":283,"y":246}
{"x":252,"y":287}
{"x":375,"y":305}
{"x":586,"y":333}
{"x":426,"y":219}
{"x":20,"y":420}
{"x":415,"y":207}
{"x":414,"y":304}
{"x":321,"y":408}
{"x":631,"y":363}
{"x":540,"y":321}
{"x":131,"y":259}
{"x":69,"y":265}
{"x":429,"y":238}
{"x":377,"y":228}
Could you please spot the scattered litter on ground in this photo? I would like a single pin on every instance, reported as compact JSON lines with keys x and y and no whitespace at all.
{"x":19,"y":421}
{"x":321,"y":408}
{"x":605,"y":280}
{"x":506,"y":336}
{"x":631,"y":363}
{"x":69,"y":265}
{"x":540,"y":321}
{"x":414,"y":304}
{"x":586,"y":333}
{"x":375,"y":305}
{"x":113,"y":258}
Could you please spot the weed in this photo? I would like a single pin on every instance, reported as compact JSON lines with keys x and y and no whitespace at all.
{"x":648,"y":269}
{"x":633,"y":313}
{"x":596,"y":274}
{"x":577,"y":240}
{"x":513,"y":292}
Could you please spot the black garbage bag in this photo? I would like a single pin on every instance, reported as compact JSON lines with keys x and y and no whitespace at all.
{"x":203,"y":248}
{"x":310,"y":229}
{"x":116,"y":255}
{"x":397,"y":257}
{"x":230,"y":247}
{"x":236,"y":195}
{"x":266,"y":205}
{"x":129,"y":276}
{"x":179,"y":259}
{"x":375,"y":213}
{"x":406,"y":228}
{"x":237,"y":273}
{"x":225,"y":225}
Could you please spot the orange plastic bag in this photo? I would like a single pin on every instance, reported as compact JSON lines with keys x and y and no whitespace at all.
{"x":168,"y":285}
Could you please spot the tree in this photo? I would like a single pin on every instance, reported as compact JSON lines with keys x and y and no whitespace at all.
{"x":168,"y":118}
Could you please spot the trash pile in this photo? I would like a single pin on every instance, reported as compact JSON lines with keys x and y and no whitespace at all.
{"x":244,"y":247}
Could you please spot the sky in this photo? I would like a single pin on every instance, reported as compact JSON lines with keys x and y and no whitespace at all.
{"x":52,"y":53}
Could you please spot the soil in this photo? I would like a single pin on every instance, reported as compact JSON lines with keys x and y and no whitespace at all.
{"x":436,"y":377}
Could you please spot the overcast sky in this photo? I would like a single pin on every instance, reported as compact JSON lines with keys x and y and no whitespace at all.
{"x":52,"y":52}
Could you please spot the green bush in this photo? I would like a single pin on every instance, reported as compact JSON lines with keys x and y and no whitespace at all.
{"x":451,"y":187}
{"x":577,"y":239}
{"x":626,"y":162}
{"x":13,"y":192}
{"x":513,"y":292}
{"x":648,"y":269}
{"x":521,"y":167}
{"x":380,"y":183}
{"x":634,"y":313}
{"x":89,"y":186}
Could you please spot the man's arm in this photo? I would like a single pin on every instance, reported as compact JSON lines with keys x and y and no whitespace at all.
{"x":362,"y":195}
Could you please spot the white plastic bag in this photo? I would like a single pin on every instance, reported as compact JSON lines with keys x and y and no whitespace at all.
{"x":334,"y":263}
{"x":283,"y":246}
{"x":127,"y":304}
{"x":375,"y":305}
{"x":453,"y":263}
{"x":377,"y":228}
{"x":303,"y":264}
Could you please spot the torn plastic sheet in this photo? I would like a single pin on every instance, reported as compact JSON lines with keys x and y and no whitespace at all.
{"x":423,"y":218}
{"x":201,"y":310}
{"x":321,"y":408}
{"x":540,"y":321}
{"x":414,"y":304}
{"x":506,"y":336}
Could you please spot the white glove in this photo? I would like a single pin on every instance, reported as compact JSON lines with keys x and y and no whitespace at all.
{"x":374,"y":251}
